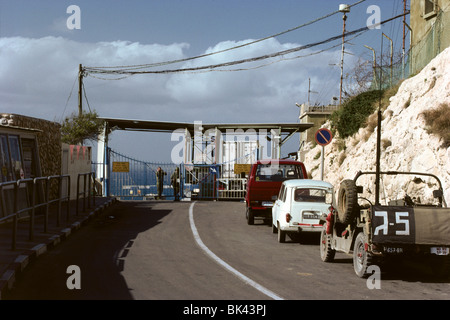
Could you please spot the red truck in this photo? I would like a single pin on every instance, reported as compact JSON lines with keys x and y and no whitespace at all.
{"x":264,"y":182}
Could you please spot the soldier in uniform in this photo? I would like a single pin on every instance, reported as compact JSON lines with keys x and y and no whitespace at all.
{"x":175,"y":181}
{"x":160,"y":181}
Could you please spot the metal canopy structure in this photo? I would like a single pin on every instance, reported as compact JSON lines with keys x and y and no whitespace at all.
{"x":197,"y":138}
{"x":165,"y":126}
{"x":194,"y":133}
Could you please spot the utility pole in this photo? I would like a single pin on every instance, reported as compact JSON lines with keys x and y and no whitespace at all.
{"x":80,"y":90}
{"x":309,"y":91}
{"x":344,"y":8}
{"x":404,"y":35}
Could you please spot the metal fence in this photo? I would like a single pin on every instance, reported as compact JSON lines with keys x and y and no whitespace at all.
{"x":132,"y":179}
{"x":25,"y":198}
{"x":29,"y":195}
{"x":87,"y":192}
{"x":436,"y":39}
{"x":212,"y":182}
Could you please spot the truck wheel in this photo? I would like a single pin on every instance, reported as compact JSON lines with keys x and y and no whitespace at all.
{"x":347,"y":201}
{"x":281,"y":235}
{"x":326,"y":253}
{"x":250,"y":216}
{"x":361,"y":258}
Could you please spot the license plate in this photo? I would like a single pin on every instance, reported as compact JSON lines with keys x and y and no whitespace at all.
{"x":393,"y":250}
{"x":440,"y":251}
{"x":267,"y":204}
{"x":310,"y":215}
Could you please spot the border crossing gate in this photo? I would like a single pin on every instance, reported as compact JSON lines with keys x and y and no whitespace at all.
{"x":132,"y":179}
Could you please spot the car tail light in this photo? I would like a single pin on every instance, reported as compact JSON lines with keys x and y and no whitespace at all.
{"x":288,"y":217}
{"x":330,"y":221}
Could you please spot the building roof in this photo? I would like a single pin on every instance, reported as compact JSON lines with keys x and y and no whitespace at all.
{"x":165,"y":126}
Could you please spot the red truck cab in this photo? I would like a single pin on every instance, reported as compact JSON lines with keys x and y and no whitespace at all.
{"x":264,"y":182}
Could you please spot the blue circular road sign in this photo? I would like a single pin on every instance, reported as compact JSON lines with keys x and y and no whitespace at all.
{"x":323,"y":136}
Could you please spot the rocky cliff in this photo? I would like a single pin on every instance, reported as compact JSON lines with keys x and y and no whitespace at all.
{"x":406,"y":144}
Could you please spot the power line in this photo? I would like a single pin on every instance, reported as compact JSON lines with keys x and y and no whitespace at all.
{"x":90,"y":70}
{"x":280,"y":60}
{"x":68,"y":98}
{"x":158,"y":64}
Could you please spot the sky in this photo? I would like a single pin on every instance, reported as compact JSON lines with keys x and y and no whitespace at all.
{"x":40,"y":53}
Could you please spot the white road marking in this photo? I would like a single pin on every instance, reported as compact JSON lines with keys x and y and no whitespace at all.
{"x":223,"y":263}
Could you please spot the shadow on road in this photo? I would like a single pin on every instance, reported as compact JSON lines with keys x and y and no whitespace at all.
{"x":98,"y":249}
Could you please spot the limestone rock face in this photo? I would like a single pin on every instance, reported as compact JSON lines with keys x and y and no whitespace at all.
{"x":405,"y":142}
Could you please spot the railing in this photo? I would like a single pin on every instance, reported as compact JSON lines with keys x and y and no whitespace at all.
{"x":31,"y":188}
{"x":233,"y":188}
{"x":88,"y":191}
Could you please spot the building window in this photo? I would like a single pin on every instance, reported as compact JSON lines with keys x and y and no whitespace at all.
{"x":10,"y":158}
{"x":16,"y":157}
{"x":5,"y":160}
{"x":29,"y":158}
{"x":429,"y":8}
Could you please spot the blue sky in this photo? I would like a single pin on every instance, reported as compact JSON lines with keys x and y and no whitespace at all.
{"x":39,"y":58}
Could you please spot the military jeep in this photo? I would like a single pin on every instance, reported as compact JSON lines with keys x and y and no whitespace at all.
{"x":408,"y":226}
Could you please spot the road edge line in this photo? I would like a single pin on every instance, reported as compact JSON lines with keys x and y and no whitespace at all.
{"x":241,"y":276}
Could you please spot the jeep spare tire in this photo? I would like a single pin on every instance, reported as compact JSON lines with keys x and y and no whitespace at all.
{"x":347,"y":201}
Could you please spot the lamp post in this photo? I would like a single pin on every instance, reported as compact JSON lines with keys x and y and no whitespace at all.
{"x":344,"y":8}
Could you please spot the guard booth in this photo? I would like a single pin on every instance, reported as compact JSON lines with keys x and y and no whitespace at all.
{"x":18,"y":160}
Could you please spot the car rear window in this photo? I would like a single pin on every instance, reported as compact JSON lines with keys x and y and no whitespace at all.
{"x":280,"y":172}
{"x":311,"y":195}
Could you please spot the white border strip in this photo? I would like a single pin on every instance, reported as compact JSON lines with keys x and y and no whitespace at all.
{"x":223,"y":263}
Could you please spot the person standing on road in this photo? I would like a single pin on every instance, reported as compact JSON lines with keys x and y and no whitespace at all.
{"x":175,"y":181}
{"x":160,"y":181}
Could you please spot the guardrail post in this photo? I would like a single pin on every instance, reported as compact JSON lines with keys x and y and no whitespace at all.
{"x":33,"y":211}
{"x":88,"y":176}
{"x":93,"y":187}
{"x":15,"y":222}
{"x":58,"y":215}
{"x":84,"y":192}
{"x":78,"y":193}
{"x":68,"y":198}
{"x":47,"y":199}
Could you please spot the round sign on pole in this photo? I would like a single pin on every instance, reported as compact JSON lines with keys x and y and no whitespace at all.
{"x":323,"y":136}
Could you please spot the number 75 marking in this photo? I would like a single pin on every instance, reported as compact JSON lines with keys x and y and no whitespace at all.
{"x":399,"y":219}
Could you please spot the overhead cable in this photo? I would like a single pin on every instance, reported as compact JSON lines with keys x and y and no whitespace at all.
{"x":231,"y":63}
{"x":159,"y":64}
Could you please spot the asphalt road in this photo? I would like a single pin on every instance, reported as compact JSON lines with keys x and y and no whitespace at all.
{"x":147,"y":250}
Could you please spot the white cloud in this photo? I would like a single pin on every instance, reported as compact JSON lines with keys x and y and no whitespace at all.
{"x":37,"y":76}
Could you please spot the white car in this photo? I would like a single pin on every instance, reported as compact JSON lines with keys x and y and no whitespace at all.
{"x":300,"y":205}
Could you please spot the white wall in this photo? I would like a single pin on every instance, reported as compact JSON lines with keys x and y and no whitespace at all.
{"x":75,"y":160}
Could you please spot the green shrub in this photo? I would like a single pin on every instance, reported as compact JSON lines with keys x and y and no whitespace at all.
{"x":75,"y":129}
{"x":354,"y":112}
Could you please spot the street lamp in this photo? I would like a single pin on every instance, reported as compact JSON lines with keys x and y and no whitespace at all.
{"x":344,"y":8}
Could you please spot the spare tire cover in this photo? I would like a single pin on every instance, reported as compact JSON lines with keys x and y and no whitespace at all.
{"x":347,"y":201}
